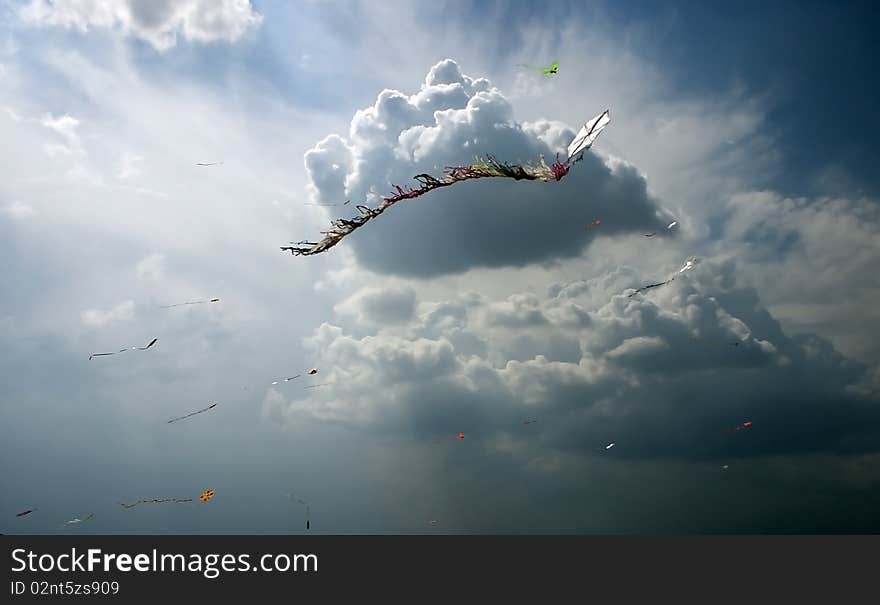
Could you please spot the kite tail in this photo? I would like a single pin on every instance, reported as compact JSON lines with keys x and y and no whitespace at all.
{"x":489,"y":167}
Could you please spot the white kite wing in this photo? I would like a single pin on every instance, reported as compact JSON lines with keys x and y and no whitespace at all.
{"x":587,"y":134}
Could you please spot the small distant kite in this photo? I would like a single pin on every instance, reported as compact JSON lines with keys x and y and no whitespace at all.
{"x":194,"y":302}
{"x":24,"y":513}
{"x":308,"y":512}
{"x":744,"y":425}
{"x":210,"y":407}
{"x":609,"y":446}
{"x":688,"y":265}
{"x":648,"y":287}
{"x":432,"y":522}
{"x":672,"y":224}
{"x":76,"y":520}
{"x":155,"y":501}
{"x":652,"y":234}
{"x":488,"y":168}
{"x":595,"y":223}
{"x":209,"y":163}
{"x":311,"y":372}
{"x":323,"y":384}
{"x":532,"y":421}
{"x":461,"y":435}
{"x":725,"y":467}
{"x":206,"y":495}
{"x":547,"y":71}
{"x":152,"y":342}
{"x":735,"y":343}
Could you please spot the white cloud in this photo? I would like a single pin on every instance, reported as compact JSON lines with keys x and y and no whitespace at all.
{"x":65,"y":126}
{"x":19,"y":210}
{"x":130,"y":166}
{"x":157,"y":22}
{"x":452,"y":118}
{"x":151,"y":268}
{"x":98,"y":318}
{"x":381,"y":306}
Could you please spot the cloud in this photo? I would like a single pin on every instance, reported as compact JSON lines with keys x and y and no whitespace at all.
{"x":66,"y":128}
{"x":814,"y":261}
{"x":129,"y":166}
{"x":497,"y":223}
{"x":151,"y":268}
{"x":660,"y":375}
{"x":381,"y":306}
{"x":158,"y":22}
{"x":19,"y":210}
{"x":98,"y":318}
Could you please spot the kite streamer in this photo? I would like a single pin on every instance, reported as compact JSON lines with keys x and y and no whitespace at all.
{"x":24,"y":513}
{"x":155,"y":501}
{"x":308,"y":512}
{"x":152,"y":342}
{"x":688,"y":265}
{"x":210,"y":407}
{"x":76,"y":520}
{"x":483,"y":168}
{"x":311,"y":372}
{"x":194,"y":302}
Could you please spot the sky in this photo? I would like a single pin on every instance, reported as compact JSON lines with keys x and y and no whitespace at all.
{"x":487,"y":308}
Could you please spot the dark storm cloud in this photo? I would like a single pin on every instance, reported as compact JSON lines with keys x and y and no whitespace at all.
{"x":656,"y":374}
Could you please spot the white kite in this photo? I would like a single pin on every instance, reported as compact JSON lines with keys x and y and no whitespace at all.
{"x":586,"y":136}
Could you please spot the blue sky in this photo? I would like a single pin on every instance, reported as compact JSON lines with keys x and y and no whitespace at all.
{"x":469,"y":310}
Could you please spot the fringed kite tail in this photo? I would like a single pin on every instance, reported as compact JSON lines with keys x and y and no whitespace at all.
{"x":488,"y":168}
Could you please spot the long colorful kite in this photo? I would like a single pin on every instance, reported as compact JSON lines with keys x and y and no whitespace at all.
{"x":488,"y":168}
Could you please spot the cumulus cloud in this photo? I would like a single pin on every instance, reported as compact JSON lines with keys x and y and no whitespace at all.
{"x":658,"y":374}
{"x":451,"y":119}
{"x":98,"y":318}
{"x":157,"y":22}
{"x":381,"y":306}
